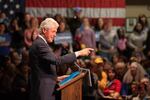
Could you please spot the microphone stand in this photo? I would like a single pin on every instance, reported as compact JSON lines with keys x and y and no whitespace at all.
{"x":84,"y":69}
{"x":87,"y":70}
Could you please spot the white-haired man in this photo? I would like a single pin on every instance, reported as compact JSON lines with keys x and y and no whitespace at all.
{"x":43,"y":61}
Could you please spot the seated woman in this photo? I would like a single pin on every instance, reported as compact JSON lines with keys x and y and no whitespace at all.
{"x":113,"y":86}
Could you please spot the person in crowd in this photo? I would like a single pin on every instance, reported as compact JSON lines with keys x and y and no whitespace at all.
{"x":143,"y":92}
{"x":108,"y":40}
{"x":137,"y":39}
{"x":144,"y":21}
{"x":146,"y":66}
{"x":59,"y":18}
{"x":7,"y":76}
{"x":134,"y":89}
{"x":98,"y":27}
{"x":76,"y":21}
{"x":5,"y":40}
{"x":31,"y":33}
{"x":113,"y":86}
{"x":15,"y":58}
{"x":139,"y":57}
{"x":134,"y":92}
{"x":98,"y":70}
{"x":118,"y":58}
{"x":16,"y":35}
{"x":85,"y":35}
{"x":43,"y":61}
{"x":107,"y":64}
{"x":122,"y":42}
{"x":90,"y":92}
{"x":4,"y":19}
{"x":121,"y":69}
{"x":139,"y":90}
{"x":147,"y":44}
{"x":100,"y":24}
{"x":65,"y":46}
{"x":25,"y":56}
{"x":146,"y":82}
{"x":63,"y":27}
{"x":134,"y":73}
{"x":20,"y":85}
{"x":25,"y":24}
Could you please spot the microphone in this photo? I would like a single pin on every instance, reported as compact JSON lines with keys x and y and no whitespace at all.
{"x":87,"y":70}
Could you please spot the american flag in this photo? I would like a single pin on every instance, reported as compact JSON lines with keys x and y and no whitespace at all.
{"x":12,"y":7}
{"x":114,"y":9}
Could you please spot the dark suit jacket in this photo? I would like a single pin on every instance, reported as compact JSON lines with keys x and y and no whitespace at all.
{"x":43,"y":69}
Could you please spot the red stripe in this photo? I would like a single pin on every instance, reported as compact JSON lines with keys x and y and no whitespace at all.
{"x":76,"y":3}
{"x":93,"y":21}
{"x":116,"y":21}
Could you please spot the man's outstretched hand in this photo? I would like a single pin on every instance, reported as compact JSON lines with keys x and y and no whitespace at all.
{"x":84,"y":52}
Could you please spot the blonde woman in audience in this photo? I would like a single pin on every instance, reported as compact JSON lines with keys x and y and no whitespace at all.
{"x":135,"y":73}
{"x":31,"y":33}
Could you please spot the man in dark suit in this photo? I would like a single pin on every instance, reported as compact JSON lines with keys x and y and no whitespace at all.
{"x":43,"y":61}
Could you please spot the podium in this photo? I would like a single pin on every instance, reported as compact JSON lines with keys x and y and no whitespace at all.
{"x":72,"y":90}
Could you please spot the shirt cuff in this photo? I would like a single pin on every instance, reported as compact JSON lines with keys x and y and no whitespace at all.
{"x":77,"y":54}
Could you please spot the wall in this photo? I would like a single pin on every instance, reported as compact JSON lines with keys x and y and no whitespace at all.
{"x":134,"y":11}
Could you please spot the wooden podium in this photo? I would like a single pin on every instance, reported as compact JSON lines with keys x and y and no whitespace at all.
{"x":73,"y":89}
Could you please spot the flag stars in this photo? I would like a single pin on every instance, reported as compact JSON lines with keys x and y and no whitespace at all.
{"x":17,"y":6}
{"x":10,"y":7}
{"x":5,"y":6}
{"x":11,"y":12}
{"x":11,"y":0}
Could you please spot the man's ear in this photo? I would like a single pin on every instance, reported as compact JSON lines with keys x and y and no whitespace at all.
{"x":44,"y":30}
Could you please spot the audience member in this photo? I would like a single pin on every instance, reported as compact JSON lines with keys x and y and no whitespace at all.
{"x":16,"y":35}
{"x":108,"y":40}
{"x":113,"y":86}
{"x":85,"y":35}
{"x":31,"y":32}
{"x":5,"y":40}
{"x":137,"y":39}
{"x":128,"y":53}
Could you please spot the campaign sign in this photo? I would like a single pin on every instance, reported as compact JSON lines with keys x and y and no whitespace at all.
{"x":63,"y":37}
